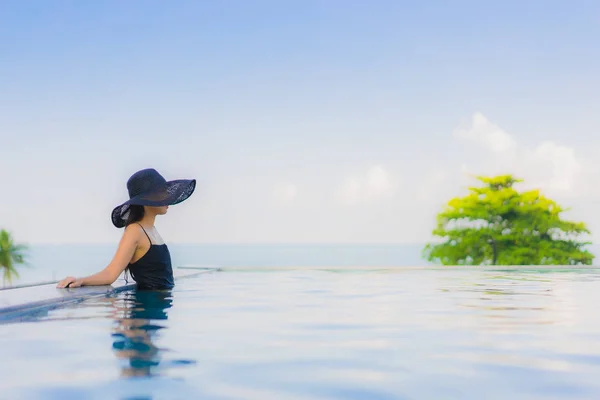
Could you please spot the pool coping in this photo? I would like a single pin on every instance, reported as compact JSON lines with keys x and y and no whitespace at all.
{"x":18,"y":305}
{"x":490,"y":268}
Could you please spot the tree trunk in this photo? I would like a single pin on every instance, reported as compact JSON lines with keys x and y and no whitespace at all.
{"x":494,"y":249}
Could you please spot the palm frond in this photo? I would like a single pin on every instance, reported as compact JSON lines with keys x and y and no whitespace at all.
{"x":11,"y":255}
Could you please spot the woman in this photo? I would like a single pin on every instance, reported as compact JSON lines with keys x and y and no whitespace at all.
{"x":141,"y":250}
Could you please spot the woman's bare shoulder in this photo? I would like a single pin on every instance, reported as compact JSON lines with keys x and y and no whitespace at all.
{"x":132,"y":232}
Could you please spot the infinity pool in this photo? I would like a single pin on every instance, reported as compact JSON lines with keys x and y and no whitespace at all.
{"x":319,"y":334}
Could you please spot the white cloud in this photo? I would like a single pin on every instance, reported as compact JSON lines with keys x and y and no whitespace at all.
{"x":482,"y":131}
{"x":549,"y":166}
{"x":378,"y":181}
{"x":557,"y":167}
{"x":284,"y":193}
{"x":375,"y":184}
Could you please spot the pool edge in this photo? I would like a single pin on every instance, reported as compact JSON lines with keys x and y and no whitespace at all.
{"x":23,"y":310}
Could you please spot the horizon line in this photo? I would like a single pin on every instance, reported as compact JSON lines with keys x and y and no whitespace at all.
{"x":237,"y":243}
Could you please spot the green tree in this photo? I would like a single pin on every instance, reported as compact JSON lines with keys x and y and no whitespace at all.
{"x":11,"y":255}
{"x":496,"y":225}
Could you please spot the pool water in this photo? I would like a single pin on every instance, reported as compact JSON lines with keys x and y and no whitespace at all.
{"x":319,"y":334}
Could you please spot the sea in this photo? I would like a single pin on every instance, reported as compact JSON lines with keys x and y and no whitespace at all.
{"x":53,"y":262}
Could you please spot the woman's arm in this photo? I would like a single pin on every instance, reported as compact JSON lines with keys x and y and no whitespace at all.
{"x":108,"y":275}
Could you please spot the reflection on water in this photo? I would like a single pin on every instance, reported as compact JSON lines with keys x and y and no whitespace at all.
{"x":137,"y":325}
{"x":321,"y":334}
{"x":135,"y":329}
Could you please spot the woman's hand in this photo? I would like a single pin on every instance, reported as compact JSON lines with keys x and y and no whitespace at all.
{"x":70,"y":282}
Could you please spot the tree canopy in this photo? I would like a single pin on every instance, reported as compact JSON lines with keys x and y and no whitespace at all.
{"x":497,"y":225}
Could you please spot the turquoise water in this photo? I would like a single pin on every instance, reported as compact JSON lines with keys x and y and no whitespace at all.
{"x":53,"y":262}
{"x":308,"y":333}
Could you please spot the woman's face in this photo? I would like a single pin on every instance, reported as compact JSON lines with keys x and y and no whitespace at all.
{"x":157,"y":210}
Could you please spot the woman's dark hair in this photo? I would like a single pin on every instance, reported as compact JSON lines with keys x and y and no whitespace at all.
{"x":136,"y":213}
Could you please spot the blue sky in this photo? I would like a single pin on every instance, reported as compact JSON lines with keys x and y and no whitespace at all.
{"x":312,"y":121}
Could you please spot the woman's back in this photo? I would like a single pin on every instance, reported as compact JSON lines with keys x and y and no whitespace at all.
{"x":153,"y":271}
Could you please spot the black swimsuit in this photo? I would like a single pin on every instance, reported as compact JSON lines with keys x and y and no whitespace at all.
{"x":153,"y":271}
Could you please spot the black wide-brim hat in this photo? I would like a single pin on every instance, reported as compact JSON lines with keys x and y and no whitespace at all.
{"x":148,"y":188}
